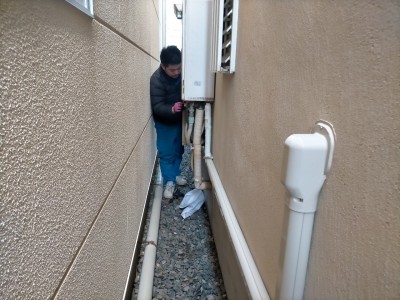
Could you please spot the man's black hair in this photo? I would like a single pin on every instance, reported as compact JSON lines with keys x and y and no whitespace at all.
{"x":170,"y":55}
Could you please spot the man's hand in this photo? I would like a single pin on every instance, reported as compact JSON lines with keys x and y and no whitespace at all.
{"x":177,"y":107}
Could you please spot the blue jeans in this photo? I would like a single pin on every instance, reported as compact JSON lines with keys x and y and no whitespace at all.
{"x":170,"y":150}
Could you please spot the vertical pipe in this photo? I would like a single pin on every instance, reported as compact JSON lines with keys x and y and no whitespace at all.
{"x":146,"y":277}
{"x":198,"y":124}
{"x":295,"y":257}
{"x":189,"y":130}
{"x":207,"y":148}
{"x":198,"y":128}
{"x":308,"y":159}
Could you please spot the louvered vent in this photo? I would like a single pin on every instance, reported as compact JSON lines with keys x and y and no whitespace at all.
{"x":225,"y":33}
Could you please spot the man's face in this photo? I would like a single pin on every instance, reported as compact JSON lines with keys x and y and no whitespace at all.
{"x":172,"y":71}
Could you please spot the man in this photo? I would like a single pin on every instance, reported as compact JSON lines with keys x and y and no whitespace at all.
{"x":167,"y":106}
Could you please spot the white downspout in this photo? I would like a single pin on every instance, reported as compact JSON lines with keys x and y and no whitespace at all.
{"x":250,"y":272}
{"x":147,"y":275}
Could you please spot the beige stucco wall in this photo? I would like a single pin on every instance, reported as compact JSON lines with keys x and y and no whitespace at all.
{"x":298,"y":62}
{"x":77,"y":145}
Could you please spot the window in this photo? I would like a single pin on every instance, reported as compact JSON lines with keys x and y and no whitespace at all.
{"x":225,"y":20}
{"x":84,"y":5}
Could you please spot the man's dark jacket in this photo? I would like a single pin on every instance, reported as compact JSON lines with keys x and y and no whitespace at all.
{"x":164,"y":92}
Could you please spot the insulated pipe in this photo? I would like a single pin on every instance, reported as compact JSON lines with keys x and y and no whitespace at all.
{"x":198,"y":128}
{"x":207,"y":147}
{"x":146,"y":278}
{"x":190,"y":124}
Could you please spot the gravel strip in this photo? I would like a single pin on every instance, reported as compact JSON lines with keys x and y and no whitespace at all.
{"x":187,"y":264}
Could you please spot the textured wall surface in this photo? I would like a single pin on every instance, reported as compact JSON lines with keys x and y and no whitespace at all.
{"x":108,"y":244}
{"x":299,"y":62}
{"x":134,"y":20}
{"x":77,"y":147}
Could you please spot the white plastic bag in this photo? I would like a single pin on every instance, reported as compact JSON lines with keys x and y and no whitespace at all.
{"x":192,"y":202}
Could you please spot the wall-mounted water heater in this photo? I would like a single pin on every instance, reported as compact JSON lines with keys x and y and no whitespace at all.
{"x":197,"y":78}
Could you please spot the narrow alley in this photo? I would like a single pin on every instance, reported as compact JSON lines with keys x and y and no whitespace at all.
{"x":78,"y":149}
{"x":186,"y":264}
